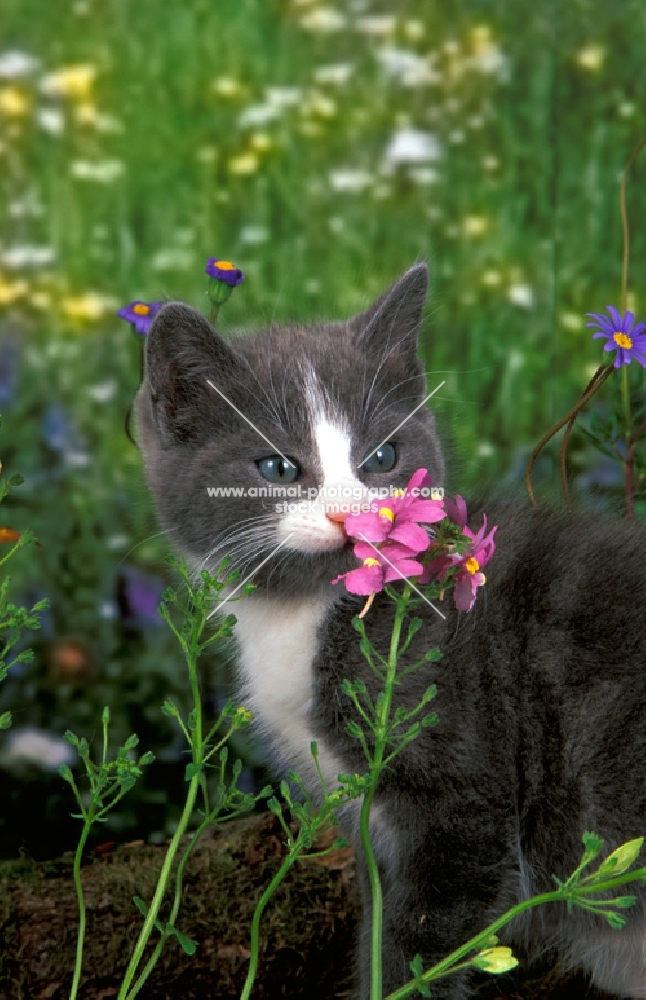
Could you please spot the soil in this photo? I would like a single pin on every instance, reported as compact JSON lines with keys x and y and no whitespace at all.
{"x":307,"y":929}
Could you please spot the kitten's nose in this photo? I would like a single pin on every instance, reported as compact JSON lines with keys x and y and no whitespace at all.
{"x":335,"y":516}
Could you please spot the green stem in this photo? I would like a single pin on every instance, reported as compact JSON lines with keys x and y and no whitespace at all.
{"x":160,"y":891}
{"x":475,"y":943}
{"x":81,"y":902}
{"x":191,"y":649}
{"x":376,"y":767}
{"x":625,"y":394}
{"x":255,"y":923}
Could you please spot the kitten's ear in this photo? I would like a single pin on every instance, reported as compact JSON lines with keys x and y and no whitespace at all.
{"x":395,"y":317}
{"x":182,"y":351}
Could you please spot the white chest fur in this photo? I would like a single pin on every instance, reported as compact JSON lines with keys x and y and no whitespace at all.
{"x":277,"y":641}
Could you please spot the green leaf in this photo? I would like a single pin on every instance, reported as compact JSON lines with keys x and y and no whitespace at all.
{"x":615,"y":920}
{"x":434,"y":655}
{"x":131,"y":742}
{"x":187,"y":943}
{"x":417,"y":969}
{"x":358,"y":625}
{"x":192,"y":770}
{"x":65,"y":773}
{"x":169,"y":709}
{"x":416,"y":966}
{"x":354,"y":729}
{"x":5,"y":720}
{"x":592,"y":844}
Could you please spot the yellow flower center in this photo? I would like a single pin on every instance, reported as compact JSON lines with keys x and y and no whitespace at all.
{"x":371,"y":561}
{"x":623,"y":340}
{"x":225,"y":265}
{"x":387,"y":512}
{"x":472,"y":565}
{"x":140,"y":309}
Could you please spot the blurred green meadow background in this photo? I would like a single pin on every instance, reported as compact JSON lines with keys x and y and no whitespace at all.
{"x":323,"y":147}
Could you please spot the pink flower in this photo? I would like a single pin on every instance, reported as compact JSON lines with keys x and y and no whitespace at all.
{"x":398,"y":518}
{"x":468,"y":576}
{"x":379,"y":567}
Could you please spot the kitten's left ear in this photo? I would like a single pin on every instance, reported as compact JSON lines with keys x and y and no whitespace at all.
{"x":394,"y":319}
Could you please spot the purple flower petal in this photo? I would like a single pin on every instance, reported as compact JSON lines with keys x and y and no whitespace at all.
{"x":140,"y":315}
{"x":225,"y":271}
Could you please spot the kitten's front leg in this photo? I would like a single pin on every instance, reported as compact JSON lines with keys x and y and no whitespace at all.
{"x":437,"y":894}
{"x":406,"y":934}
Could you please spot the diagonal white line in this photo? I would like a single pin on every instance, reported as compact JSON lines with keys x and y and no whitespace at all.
{"x":404,"y":578}
{"x":386,"y":439}
{"x":241,"y":414}
{"x":272,"y":553}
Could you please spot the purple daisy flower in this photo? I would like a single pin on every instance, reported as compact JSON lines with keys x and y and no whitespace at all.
{"x":224,"y":276}
{"x":224,"y":270}
{"x":621,"y":335}
{"x":140,"y":315}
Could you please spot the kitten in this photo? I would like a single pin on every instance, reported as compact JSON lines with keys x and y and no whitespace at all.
{"x":541,"y":692}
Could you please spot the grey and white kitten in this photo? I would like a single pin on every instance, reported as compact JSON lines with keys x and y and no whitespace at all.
{"x":541,"y":689}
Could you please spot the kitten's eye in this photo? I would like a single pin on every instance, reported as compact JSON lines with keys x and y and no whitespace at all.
{"x":383,"y":460}
{"x":276,"y":470}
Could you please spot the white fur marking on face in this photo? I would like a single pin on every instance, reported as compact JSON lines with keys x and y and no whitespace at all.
{"x":312,"y":530}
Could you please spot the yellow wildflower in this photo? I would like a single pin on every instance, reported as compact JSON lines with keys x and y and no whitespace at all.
{"x":11,"y":290}
{"x":13,"y":103}
{"x":244,"y":164}
{"x":70,"y":81}
{"x":88,"y":307}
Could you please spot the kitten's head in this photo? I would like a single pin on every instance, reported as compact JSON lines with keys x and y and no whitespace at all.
{"x":251,"y":446}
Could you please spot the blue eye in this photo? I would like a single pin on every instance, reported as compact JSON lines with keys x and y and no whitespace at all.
{"x":276,"y":470}
{"x":383,"y":460}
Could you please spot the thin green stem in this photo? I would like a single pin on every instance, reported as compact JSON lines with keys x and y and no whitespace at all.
{"x":624,"y":224}
{"x":254,"y":945}
{"x":625,"y":395}
{"x":600,"y":376}
{"x":160,"y":891}
{"x":475,"y":943}
{"x":81,"y":901}
{"x":376,"y":767}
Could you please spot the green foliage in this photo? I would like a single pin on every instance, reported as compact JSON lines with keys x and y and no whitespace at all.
{"x":13,"y":619}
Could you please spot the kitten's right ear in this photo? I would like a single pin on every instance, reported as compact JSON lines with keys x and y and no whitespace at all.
{"x":182,"y":351}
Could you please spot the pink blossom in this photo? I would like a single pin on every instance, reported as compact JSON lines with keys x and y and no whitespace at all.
{"x":392,"y":561}
{"x":469,"y":575}
{"x":398,"y":518}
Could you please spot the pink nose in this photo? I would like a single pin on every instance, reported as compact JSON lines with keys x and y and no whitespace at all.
{"x":338,"y":517}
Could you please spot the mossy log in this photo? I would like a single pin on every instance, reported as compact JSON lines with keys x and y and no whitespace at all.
{"x":308,"y":928}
